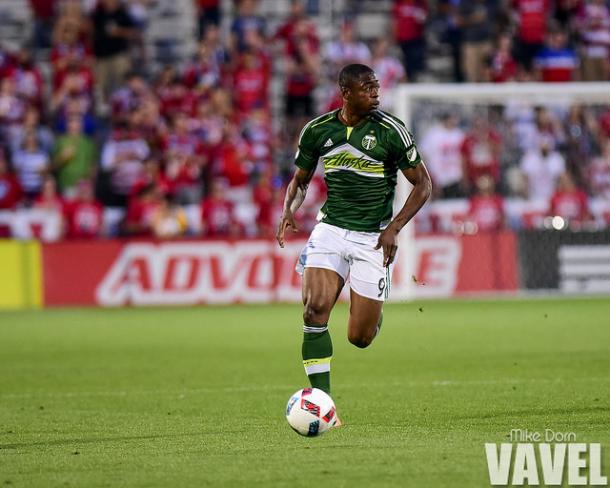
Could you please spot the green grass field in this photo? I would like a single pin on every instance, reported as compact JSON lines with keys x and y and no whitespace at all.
{"x":196,"y":396}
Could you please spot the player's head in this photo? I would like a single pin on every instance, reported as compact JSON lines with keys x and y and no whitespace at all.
{"x":359,"y":88}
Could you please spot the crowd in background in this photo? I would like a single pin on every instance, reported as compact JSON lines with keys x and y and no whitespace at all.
{"x":118,"y":148}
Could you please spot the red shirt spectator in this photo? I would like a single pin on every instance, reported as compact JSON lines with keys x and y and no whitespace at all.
{"x":486,"y":208}
{"x":251,"y":82}
{"x":409,"y":19}
{"x":84,"y":216}
{"x":49,"y":198}
{"x":481,"y":151}
{"x":503,"y":66}
{"x":204,"y":73}
{"x":79,"y":76}
{"x":532,"y":18}
{"x":141,"y":211}
{"x":217,"y":213}
{"x":487,"y":211}
{"x":568,"y":201}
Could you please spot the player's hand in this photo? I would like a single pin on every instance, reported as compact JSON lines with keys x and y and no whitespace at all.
{"x":388,"y":241}
{"x":286,"y":221}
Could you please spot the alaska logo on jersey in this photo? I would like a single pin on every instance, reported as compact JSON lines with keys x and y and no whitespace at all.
{"x":369,"y":142}
{"x":350,"y":159}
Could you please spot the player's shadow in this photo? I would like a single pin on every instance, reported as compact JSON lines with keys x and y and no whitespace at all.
{"x":94,"y":440}
{"x":536,"y":411}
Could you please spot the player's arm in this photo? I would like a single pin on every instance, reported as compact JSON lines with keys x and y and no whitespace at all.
{"x":295,"y":195}
{"x":422,"y":187}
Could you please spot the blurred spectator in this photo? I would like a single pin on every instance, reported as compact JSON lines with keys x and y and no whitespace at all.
{"x":217,"y":213}
{"x":269,"y":203}
{"x":29,"y":84}
{"x":566,"y":11}
{"x":409,"y":18}
{"x":541,"y":167}
{"x":389,"y":71}
{"x":84,"y":216}
{"x":502,"y":65}
{"x":569,"y":201}
{"x":113,"y":31}
{"x":10,"y":189}
{"x":72,"y":15}
{"x":345,"y":50}
{"x":208,"y":14}
{"x":481,"y":153}
{"x":74,"y":157}
{"x":593,"y":24}
{"x":130,"y":96}
{"x":168,"y":220}
{"x":486,"y":208}
{"x":302,"y":66}
{"x":441,"y":147}
{"x":121,"y":162}
{"x":43,"y":12}
{"x":152,"y":174}
{"x":548,"y":128}
{"x":247,"y":23}
{"x":556,"y":61}
{"x":337,"y":54}
{"x":476,"y":25}
{"x":69,"y":49}
{"x":141,"y":211}
{"x":185,"y":161}
{"x":452,"y":35}
{"x":74,"y":86}
{"x":599,"y":173}
{"x":31,"y":123}
{"x":251,"y":81}
{"x":31,"y":164}
{"x":79,"y":107}
{"x":12,"y":109}
{"x":204,"y":73}
{"x":580,"y":144}
{"x":49,"y":198}
{"x":531,"y":16}
{"x":7,"y":60}
{"x":219,"y":52}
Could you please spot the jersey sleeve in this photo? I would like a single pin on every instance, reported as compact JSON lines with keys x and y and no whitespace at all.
{"x":403,"y":148}
{"x":308,"y":153}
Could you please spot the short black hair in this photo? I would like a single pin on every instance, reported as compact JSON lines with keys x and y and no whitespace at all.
{"x":352,"y":73}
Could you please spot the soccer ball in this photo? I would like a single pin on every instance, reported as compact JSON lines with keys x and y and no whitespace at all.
{"x":311,"y":412}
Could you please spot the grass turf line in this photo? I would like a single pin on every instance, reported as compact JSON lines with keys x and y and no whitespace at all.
{"x":196,"y":396}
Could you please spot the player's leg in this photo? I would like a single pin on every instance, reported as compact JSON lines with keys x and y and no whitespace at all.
{"x":365,"y":315}
{"x":369,"y":288}
{"x":321,"y":288}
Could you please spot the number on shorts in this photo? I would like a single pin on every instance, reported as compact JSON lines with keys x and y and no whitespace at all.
{"x":381,"y":286}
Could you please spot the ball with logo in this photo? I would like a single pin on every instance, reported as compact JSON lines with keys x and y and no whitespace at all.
{"x":311,"y":412}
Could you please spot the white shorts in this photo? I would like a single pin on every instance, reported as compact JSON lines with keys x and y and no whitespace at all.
{"x":351,"y":254}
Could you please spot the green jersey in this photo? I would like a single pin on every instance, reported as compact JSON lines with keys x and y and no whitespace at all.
{"x":360,"y":166}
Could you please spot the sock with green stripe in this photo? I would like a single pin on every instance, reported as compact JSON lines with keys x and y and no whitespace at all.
{"x":317,"y":353}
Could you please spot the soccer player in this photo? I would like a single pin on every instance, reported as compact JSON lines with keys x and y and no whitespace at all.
{"x":362,"y":149}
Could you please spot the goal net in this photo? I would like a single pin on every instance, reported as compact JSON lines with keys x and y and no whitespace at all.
{"x":522,"y":189}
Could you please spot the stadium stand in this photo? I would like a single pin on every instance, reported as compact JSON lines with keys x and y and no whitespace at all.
{"x":172,"y":118}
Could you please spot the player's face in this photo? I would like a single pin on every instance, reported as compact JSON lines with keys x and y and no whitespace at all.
{"x":364,"y":94}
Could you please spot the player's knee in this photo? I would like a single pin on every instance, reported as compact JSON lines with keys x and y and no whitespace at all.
{"x":315,"y":312}
{"x":360,"y":339}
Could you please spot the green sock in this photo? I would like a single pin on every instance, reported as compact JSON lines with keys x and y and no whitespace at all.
{"x":317,"y":353}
